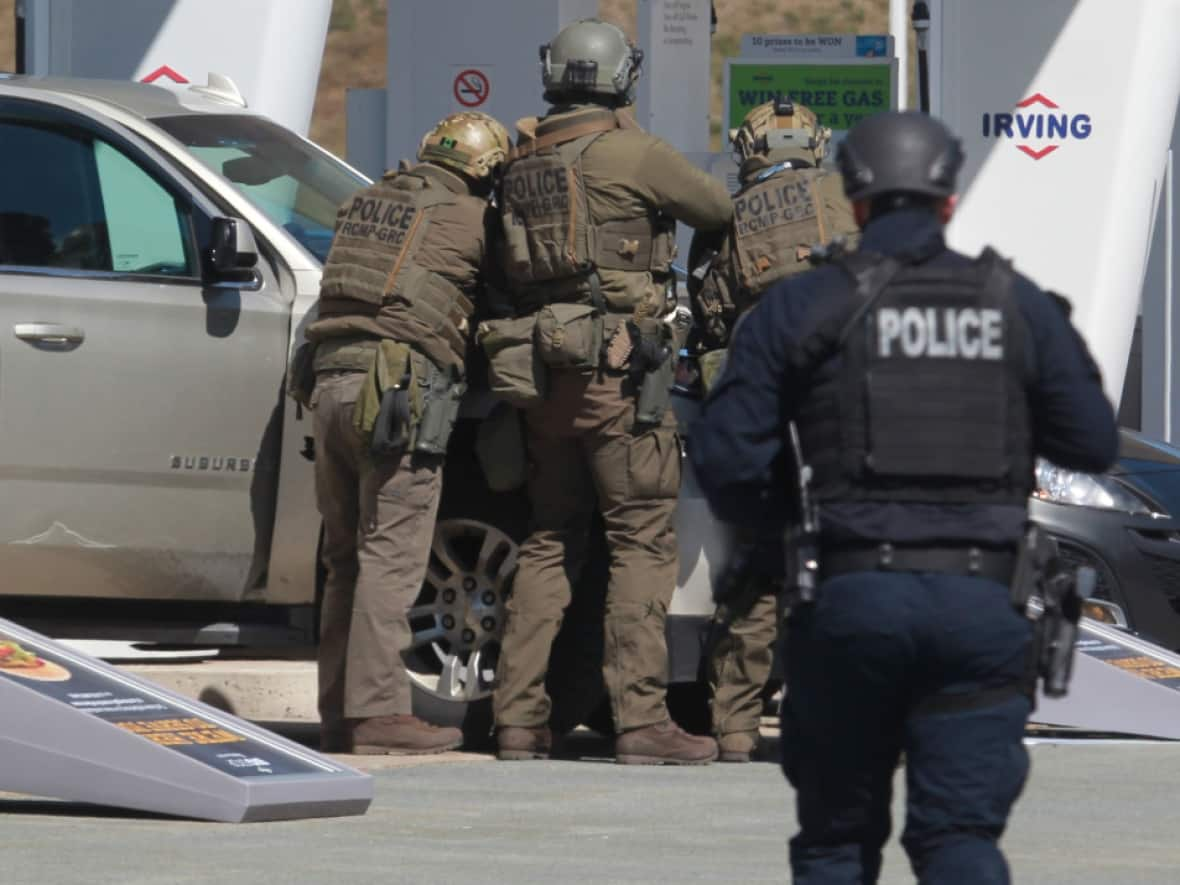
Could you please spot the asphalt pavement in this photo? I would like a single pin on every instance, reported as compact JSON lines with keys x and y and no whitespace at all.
{"x":1094,"y":813}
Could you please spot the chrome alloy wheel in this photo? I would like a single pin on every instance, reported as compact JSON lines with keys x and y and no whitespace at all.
{"x":458,"y":617}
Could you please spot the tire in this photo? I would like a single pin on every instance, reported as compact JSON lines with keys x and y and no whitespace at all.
{"x":473,"y":560}
{"x":458,"y":618}
{"x":470,"y":578}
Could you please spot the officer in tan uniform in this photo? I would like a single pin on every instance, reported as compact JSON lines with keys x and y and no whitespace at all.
{"x":399,"y":286}
{"x":589,"y":204}
{"x":786,"y":206}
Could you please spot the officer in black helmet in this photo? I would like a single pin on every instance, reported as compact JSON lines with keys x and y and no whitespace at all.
{"x":922,"y":384}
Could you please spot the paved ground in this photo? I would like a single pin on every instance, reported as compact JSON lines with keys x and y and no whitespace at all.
{"x":1098,"y":813}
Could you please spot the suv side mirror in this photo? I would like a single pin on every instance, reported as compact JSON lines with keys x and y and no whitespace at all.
{"x":233,"y":251}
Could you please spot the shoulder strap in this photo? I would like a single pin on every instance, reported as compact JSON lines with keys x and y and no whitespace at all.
{"x":551,"y":133}
{"x":429,"y":192}
{"x":997,"y":272}
{"x":871,"y":273}
{"x":626,"y":119}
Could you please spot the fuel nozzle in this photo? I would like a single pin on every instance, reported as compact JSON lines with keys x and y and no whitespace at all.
{"x":921,"y":23}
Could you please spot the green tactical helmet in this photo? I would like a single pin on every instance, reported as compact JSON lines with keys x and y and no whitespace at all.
{"x":590,"y":58}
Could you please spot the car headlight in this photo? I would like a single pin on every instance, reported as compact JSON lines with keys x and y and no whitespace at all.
{"x":1060,"y":486}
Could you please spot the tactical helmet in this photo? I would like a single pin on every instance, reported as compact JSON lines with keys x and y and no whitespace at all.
{"x":900,"y":152}
{"x":470,"y":142}
{"x":779,"y":125}
{"x":591,"y":58}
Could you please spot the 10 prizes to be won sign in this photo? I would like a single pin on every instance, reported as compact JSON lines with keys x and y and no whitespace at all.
{"x":841,"y":95}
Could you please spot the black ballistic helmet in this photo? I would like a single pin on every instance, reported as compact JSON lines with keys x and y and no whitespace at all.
{"x":903,"y":152}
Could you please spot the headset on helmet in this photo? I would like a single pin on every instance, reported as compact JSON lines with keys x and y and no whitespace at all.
{"x":779,"y":125}
{"x":470,"y":142}
{"x":591,"y":58}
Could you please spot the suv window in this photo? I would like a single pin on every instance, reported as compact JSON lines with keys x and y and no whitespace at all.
{"x":295,"y":183}
{"x":69,"y":200}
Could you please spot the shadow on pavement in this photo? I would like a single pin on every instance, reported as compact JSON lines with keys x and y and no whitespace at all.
{"x":585,"y":745}
{"x":580,"y":745}
{"x":62,"y":808}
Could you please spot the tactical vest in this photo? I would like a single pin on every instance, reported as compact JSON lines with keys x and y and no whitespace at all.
{"x":775,"y":223}
{"x":927,"y":403}
{"x":371,"y":264}
{"x":548,"y":232}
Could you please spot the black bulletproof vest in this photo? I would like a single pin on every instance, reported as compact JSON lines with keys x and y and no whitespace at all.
{"x":928,"y":401}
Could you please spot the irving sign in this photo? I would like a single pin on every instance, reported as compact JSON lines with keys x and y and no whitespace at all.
{"x":1039,"y":125}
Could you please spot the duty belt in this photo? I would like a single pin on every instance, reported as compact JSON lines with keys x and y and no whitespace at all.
{"x":966,"y":561}
{"x":345,"y":355}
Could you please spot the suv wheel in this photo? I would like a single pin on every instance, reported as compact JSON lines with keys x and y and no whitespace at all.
{"x":457,"y":621}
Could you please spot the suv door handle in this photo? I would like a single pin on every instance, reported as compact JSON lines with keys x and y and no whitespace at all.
{"x":49,"y":333}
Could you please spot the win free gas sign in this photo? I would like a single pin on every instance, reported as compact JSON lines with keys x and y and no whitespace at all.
{"x":841,"y":93}
{"x":1038,"y":127}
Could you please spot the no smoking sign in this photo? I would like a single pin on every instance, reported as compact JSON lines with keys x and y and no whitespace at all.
{"x":471,"y":87}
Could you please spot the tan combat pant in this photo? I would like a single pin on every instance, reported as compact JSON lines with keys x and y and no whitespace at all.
{"x":740,"y":663}
{"x":378,"y":525}
{"x":583,"y":454}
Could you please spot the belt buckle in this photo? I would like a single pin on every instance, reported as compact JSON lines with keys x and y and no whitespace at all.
{"x":885,"y":556}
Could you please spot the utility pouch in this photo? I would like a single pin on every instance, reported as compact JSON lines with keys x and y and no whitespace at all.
{"x":569,"y":336}
{"x":391,"y":430}
{"x":301,"y":375}
{"x":441,"y":395}
{"x":619,"y":347}
{"x":500,"y":449}
{"x":655,"y":392}
{"x":516,"y":374}
{"x":389,"y":404}
{"x":712,"y":364}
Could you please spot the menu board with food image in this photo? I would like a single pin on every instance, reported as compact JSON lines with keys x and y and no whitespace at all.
{"x":18,"y":661}
{"x":136,"y":707}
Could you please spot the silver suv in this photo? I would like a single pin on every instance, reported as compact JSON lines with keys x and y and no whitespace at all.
{"x":159,"y":254}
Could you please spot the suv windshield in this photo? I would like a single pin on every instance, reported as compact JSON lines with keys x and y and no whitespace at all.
{"x":296,"y":185}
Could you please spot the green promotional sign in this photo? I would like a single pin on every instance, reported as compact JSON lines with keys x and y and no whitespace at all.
{"x":840,"y":94}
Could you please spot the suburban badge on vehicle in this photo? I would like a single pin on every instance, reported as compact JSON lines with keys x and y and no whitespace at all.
{"x":211,"y":463}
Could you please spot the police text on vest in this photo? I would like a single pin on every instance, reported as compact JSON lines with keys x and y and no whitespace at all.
{"x":950,"y":333}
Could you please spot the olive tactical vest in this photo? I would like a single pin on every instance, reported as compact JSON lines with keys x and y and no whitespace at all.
{"x":371,"y":263}
{"x":776,"y":221}
{"x":549,"y":235}
{"x":927,"y":402}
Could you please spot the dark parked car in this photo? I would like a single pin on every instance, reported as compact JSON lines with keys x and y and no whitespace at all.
{"x":1126,"y":525}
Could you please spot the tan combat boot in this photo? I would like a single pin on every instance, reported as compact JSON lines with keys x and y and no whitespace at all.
{"x":738,"y":746}
{"x":517,"y":744}
{"x":664,"y":743}
{"x":402,"y":735}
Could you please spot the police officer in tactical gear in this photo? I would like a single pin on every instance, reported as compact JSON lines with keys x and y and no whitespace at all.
{"x":589,"y":204}
{"x":923,"y":384}
{"x":785,"y":207}
{"x":406,"y":266}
